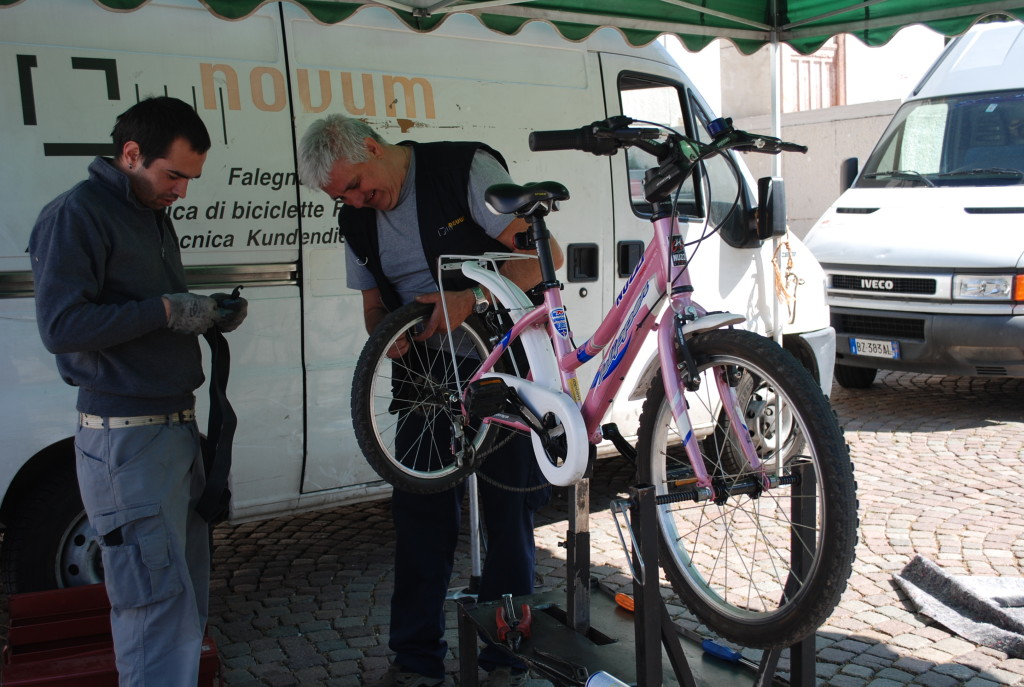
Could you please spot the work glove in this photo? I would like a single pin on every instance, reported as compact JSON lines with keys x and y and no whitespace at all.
{"x":231,"y":310}
{"x":191,"y":313}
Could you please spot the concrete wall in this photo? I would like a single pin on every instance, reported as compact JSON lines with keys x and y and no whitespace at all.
{"x":832,"y":135}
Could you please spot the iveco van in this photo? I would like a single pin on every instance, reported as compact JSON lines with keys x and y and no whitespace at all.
{"x":923,"y":254}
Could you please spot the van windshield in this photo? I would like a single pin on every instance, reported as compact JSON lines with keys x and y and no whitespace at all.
{"x":964,"y":140}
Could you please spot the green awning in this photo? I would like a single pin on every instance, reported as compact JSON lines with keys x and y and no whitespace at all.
{"x":750,"y":24}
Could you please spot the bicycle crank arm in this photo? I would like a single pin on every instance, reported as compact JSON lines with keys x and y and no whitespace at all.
{"x":554,"y":411}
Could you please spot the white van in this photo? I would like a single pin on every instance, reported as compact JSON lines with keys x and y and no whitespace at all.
{"x":69,"y":67}
{"x":924,"y":254}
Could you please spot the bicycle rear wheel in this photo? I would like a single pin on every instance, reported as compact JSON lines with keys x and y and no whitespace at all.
{"x":761,"y":568}
{"x":406,"y":410}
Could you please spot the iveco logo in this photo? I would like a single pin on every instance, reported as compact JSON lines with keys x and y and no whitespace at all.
{"x":877,"y":284}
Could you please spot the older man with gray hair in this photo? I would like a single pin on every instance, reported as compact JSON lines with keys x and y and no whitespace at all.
{"x":396,"y":197}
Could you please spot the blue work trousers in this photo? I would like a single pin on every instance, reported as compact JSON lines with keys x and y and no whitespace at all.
{"x":139,"y":486}
{"x":426,"y":533}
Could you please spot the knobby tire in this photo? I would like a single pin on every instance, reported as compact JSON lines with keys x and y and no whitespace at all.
{"x":730,"y":561}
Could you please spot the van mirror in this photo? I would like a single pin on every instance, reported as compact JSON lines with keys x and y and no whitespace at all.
{"x":771,"y":208}
{"x":848,"y":169}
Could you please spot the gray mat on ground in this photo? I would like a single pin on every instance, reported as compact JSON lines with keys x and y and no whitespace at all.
{"x":985,"y":610}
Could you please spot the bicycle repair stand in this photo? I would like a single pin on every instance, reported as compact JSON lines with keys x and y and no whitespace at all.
{"x":565,"y":647}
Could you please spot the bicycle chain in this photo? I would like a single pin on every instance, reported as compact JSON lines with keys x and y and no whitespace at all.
{"x":500,"y":485}
{"x":491,"y":319}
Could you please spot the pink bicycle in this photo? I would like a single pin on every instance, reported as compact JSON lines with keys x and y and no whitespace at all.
{"x":749,"y":463}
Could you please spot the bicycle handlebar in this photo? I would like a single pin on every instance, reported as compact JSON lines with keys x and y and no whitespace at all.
{"x":571,"y":139}
{"x":607,"y":136}
{"x":677,"y":155}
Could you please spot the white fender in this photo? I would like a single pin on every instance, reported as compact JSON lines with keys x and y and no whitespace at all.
{"x":541,"y":401}
{"x":712,"y":321}
{"x":544,"y":393}
{"x":536,"y":343}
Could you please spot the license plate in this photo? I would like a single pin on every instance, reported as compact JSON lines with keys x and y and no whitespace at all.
{"x":875,"y":348}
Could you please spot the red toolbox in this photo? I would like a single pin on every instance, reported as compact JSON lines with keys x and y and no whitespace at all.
{"x":62,"y":638}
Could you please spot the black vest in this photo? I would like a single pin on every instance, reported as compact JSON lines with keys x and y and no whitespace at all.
{"x":442,"y":207}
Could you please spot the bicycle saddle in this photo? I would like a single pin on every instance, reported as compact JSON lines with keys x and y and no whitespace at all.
{"x":511,"y":199}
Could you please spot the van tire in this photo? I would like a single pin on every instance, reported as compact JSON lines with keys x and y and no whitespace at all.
{"x":48,"y":543}
{"x":855,"y":377}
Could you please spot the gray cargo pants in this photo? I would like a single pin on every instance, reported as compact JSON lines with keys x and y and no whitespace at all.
{"x":140,"y":486}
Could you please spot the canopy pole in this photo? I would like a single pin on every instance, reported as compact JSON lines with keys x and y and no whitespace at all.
{"x":775,"y":58}
{"x":775,"y":71}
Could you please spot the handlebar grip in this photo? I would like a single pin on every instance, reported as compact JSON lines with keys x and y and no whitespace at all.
{"x":562,"y":139}
{"x":792,"y":147}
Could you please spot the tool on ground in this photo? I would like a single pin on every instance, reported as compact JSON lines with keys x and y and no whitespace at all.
{"x":711,"y":647}
{"x":563,"y":670}
{"x":512,"y":629}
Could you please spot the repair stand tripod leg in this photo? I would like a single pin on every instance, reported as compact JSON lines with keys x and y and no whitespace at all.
{"x":578,"y":557}
{"x":804,"y":510}
{"x":651,"y":615}
{"x":651,"y":618}
{"x":802,"y":543}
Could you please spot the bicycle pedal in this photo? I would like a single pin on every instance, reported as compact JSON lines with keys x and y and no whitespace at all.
{"x":486,"y":397}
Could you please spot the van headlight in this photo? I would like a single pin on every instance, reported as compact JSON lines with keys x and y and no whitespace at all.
{"x":988,"y":287}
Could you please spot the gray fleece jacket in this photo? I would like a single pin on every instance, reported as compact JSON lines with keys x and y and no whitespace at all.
{"x":101,"y":261}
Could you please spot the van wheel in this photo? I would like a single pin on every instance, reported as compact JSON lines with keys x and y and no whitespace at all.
{"x":49,"y":542}
{"x":855,"y":377}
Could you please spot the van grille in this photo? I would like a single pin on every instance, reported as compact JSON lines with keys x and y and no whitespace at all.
{"x":847,"y":282}
{"x":873,"y":325}
{"x":990,"y":371}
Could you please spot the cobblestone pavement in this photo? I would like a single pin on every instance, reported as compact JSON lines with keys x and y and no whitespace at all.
{"x":304,"y":600}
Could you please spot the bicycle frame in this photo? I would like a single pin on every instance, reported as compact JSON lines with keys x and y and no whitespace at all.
{"x":554,"y":359}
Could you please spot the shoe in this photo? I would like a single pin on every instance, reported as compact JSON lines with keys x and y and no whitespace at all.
{"x":504,"y":677}
{"x":396,"y":677}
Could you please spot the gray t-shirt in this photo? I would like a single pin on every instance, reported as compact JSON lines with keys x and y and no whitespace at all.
{"x":398,"y":235}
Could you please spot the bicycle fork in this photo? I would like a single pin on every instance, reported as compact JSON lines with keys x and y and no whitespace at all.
{"x":680,"y":374}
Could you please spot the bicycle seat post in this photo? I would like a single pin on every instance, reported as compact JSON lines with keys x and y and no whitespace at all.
{"x":541,"y":238}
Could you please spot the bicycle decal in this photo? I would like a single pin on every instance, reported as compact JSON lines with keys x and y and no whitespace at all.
{"x":621,"y":343}
{"x":678,"y":251}
{"x":574,"y":390}
{"x":559,"y":321}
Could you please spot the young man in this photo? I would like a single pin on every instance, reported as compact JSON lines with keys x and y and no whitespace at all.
{"x":112,"y":304}
{"x":396,"y":197}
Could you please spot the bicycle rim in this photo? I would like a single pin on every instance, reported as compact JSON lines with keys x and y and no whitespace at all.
{"x":764,"y":569}
{"x":407,"y":410}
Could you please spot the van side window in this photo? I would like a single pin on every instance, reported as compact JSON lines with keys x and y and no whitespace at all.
{"x":645,"y":99}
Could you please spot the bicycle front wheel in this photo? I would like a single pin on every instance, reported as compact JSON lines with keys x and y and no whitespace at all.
{"x":763,"y":568}
{"x":406,"y":402}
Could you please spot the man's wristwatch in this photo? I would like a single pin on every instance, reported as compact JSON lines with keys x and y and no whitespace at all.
{"x":481,"y":304}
